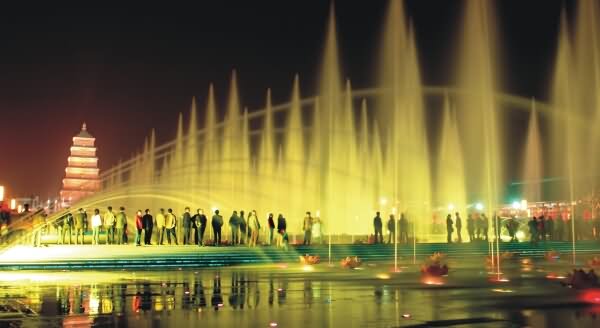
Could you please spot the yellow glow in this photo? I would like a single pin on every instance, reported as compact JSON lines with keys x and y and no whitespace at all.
{"x":523,"y":204}
{"x":13,"y":204}
{"x":520,"y":235}
{"x":19,"y":209}
{"x":383,"y":201}
{"x":383,"y":276}
{"x":308,"y":268}
{"x":1,"y":193}
{"x":451,"y":207}
{"x":500,"y":290}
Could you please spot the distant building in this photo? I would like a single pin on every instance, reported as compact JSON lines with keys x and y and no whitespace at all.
{"x":82,"y":173}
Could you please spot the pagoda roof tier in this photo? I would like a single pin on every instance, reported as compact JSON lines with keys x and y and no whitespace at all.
{"x":82,"y":170}
{"x":84,"y":133}
{"x":83,"y":159}
{"x":83,"y":148}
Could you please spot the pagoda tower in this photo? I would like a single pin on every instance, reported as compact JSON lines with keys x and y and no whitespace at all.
{"x":82,"y":173}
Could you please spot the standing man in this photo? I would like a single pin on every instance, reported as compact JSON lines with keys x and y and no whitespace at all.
{"x":403,"y":229}
{"x":68,"y":228}
{"x":542,"y":228}
{"x":391,"y":226}
{"x":201,"y":223}
{"x":550,"y":228}
{"x":378,"y":225}
{"x":148,"y":223}
{"x":139,"y":225}
{"x":160,"y":225}
{"x":458,"y":227}
{"x":194,"y":229}
{"x":96,"y":225}
{"x":449,"y":228}
{"x":234,"y":223}
{"x":59,"y":225}
{"x":120,"y":220}
{"x":217,"y":223}
{"x":79,"y":225}
{"x":471,"y":227}
{"x":186,"y":220}
{"x":485,"y":225}
{"x":307,"y":227}
{"x":533,"y":230}
{"x":109,"y":225}
{"x":271,"y":224}
{"x":243,"y":228}
{"x":170,"y":226}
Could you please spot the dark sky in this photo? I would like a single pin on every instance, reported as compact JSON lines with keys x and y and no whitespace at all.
{"x":129,"y":68}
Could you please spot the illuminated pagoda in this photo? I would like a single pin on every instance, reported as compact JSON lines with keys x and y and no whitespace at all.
{"x":82,"y":173}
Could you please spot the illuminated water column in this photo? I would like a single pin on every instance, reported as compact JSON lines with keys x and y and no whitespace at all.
{"x":267,"y":177}
{"x":294,"y":156}
{"x":368,"y":167}
{"x":564,"y":116}
{"x":190,"y":160}
{"x":402,"y":111}
{"x":247,"y":197}
{"x":479,"y":119}
{"x":586,"y":55}
{"x":329,"y":109}
{"x":451,"y":193}
{"x":532,"y":160}
{"x":230,"y":148}
{"x":176,"y":162}
{"x":350,"y":203}
{"x":210,"y":145}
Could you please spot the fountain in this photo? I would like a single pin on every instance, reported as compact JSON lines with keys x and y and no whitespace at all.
{"x":532,"y":159}
{"x":345,"y":153}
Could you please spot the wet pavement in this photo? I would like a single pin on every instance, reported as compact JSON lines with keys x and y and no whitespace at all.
{"x":529,"y":293}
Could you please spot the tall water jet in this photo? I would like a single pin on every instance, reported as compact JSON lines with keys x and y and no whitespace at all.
{"x":564,"y":120}
{"x":191,"y":153}
{"x":586,"y":55}
{"x":450,"y":178}
{"x":364,"y":153}
{"x":230,"y":147}
{"x":563,"y":134}
{"x":407,"y":157}
{"x":347,"y":146}
{"x":176,"y":163}
{"x":329,"y":108}
{"x":480,"y":122}
{"x":210,"y":145}
{"x":294,"y":152}
{"x":267,"y":158}
{"x":152,"y":157}
{"x":532,"y":164}
{"x":245,"y":165}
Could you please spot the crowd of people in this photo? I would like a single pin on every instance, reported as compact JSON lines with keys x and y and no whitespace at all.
{"x":165,"y":226}
{"x":540,"y":228}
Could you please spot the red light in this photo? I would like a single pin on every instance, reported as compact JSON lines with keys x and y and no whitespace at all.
{"x":591,"y":296}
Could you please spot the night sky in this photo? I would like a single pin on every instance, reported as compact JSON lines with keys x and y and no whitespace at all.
{"x":130,"y":68}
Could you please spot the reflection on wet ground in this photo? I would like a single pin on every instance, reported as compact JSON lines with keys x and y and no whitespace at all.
{"x":529,"y":293}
